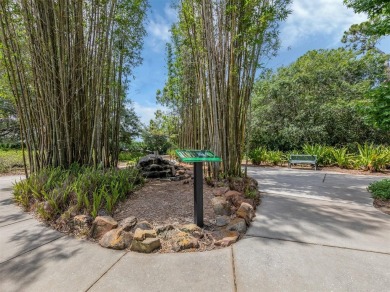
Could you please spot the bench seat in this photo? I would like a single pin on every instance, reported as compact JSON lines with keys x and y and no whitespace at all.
{"x":303,"y":159}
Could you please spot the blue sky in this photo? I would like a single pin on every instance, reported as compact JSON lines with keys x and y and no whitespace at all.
{"x":313,"y":24}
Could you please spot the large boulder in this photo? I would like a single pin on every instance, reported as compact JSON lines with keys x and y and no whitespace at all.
{"x":246,"y":212}
{"x":192,"y":229}
{"x":234,"y":197}
{"x":101,"y":225}
{"x":141,"y":234}
{"x":116,"y":239}
{"x":183,"y":240}
{"x":222,"y":220}
{"x":145,"y":241}
{"x":154,"y":166}
{"x":221,"y":206}
{"x":128,"y":223}
{"x":237,"y":224}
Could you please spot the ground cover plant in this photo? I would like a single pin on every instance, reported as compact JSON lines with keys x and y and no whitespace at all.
{"x":380,"y":189}
{"x":10,"y":159}
{"x":367,"y":157}
{"x":55,"y":192}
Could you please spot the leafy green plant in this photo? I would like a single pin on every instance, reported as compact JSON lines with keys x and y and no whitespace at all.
{"x":342,"y":157}
{"x":371,"y":157}
{"x":97,"y":201}
{"x":274,"y":157}
{"x":323,"y":153}
{"x":258,"y":155}
{"x":22,"y":194}
{"x":380,"y":189}
{"x":85,"y":188}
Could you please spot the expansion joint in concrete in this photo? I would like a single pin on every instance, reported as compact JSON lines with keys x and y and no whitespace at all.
{"x":93,"y":284}
{"x":234,"y":270}
{"x":317,"y":244}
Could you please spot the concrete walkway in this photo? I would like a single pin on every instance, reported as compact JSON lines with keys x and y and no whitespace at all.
{"x":311,"y":233}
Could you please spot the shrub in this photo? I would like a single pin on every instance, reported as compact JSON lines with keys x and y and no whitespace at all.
{"x":86,"y":188}
{"x":274,"y":157}
{"x":371,"y":157}
{"x":323,"y":153}
{"x":342,"y":158}
{"x":258,"y":155}
{"x":380,"y":189}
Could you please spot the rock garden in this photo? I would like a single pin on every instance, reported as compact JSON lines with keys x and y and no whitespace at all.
{"x":158,"y":215}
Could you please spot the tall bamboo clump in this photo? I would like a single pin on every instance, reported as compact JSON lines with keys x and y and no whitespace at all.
{"x":68,"y":63}
{"x":217,"y":49}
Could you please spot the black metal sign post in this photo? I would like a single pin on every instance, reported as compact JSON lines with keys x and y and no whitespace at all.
{"x":197,"y":157}
{"x":198,"y":193}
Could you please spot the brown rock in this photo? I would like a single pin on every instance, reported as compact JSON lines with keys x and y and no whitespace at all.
{"x":164,"y":228}
{"x":235,"y":198}
{"x":246,"y":212}
{"x":82,"y":221}
{"x":221,"y":206}
{"x":183,"y":240}
{"x":192,"y":229}
{"x":144,"y":225}
{"x":220,"y":191}
{"x":116,"y":239}
{"x":237,"y":224}
{"x":220,"y":234}
{"x":128,"y":223}
{"x":226,"y":241}
{"x":101,"y":225}
{"x":141,"y":235}
{"x":146,"y":246}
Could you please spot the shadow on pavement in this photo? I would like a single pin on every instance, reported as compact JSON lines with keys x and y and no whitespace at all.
{"x":21,"y":271}
{"x":321,"y":222}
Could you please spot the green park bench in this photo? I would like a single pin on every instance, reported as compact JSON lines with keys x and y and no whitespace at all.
{"x":302,"y":159}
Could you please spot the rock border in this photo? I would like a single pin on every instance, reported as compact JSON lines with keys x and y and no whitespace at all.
{"x":233,"y":210}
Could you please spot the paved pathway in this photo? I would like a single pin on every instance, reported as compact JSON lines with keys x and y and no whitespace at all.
{"x":311,"y":233}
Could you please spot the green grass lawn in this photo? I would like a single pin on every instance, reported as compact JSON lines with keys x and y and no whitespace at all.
{"x":10,"y":160}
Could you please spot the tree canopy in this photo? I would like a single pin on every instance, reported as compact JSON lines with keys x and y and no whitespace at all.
{"x":315,"y":100}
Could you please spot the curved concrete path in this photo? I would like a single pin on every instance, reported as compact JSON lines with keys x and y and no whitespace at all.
{"x":312,"y":233}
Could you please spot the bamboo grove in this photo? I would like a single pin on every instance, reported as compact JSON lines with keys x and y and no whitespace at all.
{"x":68,"y":63}
{"x":217,"y":49}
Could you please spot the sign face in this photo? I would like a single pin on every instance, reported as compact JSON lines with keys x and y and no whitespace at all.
{"x":197,"y":156}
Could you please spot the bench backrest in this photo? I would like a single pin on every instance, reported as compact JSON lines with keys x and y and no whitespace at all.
{"x":301,"y":157}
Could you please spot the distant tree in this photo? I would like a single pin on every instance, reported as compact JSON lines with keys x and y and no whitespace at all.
{"x":363,"y":38}
{"x":314,"y":100}
{"x":130,"y":125}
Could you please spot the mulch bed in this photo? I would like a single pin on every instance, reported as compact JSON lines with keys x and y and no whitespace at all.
{"x":163,"y":202}
{"x":382,"y":205}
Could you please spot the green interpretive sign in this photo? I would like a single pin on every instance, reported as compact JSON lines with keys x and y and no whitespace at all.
{"x":197,"y":156}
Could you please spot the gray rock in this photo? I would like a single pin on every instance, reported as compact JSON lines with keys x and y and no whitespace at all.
{"x":128,"y":223}
{"x":222,"y":220}
{"x":221,"y":206}
{"x":144,"y":225}
{"x":237,"y":224}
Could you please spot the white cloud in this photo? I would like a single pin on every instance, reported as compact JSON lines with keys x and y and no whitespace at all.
{"x":159,"y":27}
{"x":146,"y":112}
{"x":325,"y":17}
